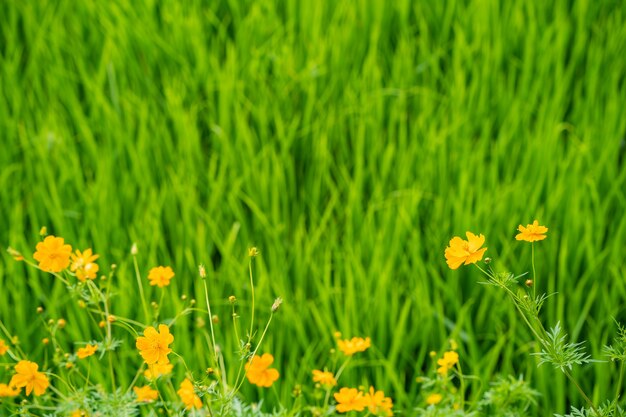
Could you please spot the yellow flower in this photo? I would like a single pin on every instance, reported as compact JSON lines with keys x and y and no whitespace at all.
{"x":28,"y":376}
{"x":83,"y":264}
{"x":8,"y":391}
{"x":258,"y":373}
{"x":465,"y":251}
{"x":53,"y":255}
{"x":354,"y":345}
{"x":350,"y":399}
{"x":433,"y":399}
{"x":324,"y":377}
{"x":160,"y":276}
{"x":78,"y":413}
{"x":377,"y":403}
{"x":448,"y":361}
{"x":3,"y":347}
{"x":87,"y":351}
{"x":146,"y":394}
{"x":158,"y":369}
{"x":188,"y":395}
{"x":532,"y":232}
{"x":154,"y":347}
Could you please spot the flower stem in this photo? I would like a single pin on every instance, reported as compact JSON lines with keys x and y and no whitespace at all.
{"x":141,"y":294}
{"x":532,"y":257}
{"x":251,"y":289}
{"x":208,"y":304}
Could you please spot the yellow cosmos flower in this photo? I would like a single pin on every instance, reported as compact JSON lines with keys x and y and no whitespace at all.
{"x":3,"y":347}
{"x":324,"y":377}
{"x":86,"y":351}
{"x":157,"y":370}
{"x":146,"y":394}
{"x":83,"y":264}
{"x":532,"y":232}
{"x":350,"y":399}
{"x":154,"y":347}
{"x":448,"y":361}
{"x":28,"y":376}
{"x":53,"y":254}
{"x":188,"y":395}
{"x":160,"y":276}
{"x":465,"y":251}
{"x":8,"y":391}
{"x":433,"y":399}
{"x":354,"y":345}
{"x":258,"y":371}
{"x":377,"y":403}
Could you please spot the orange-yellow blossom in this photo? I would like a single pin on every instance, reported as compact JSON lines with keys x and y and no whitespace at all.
{"x":258,"y":371}
{"x":354,"y":345}
{"x":160,"y":276}
{"x":433,"y":399}
{"x":86,"y":351}
{"x":146,"y":394}
{"x":154,"y":346}
{"x":28,"y":376}
{"x":188,"y":395}
{"x":448,"y":361}
{"x":350,"y":399}
{"x":8,"y":391}
{"x":157,"y":370}
{"x":377,"y":403}
{"x":465,"y":251}
{"x":324,"y":377}
{"x":53,"y":254}
{"x":83,"y":264}
{"x":532,"y":232}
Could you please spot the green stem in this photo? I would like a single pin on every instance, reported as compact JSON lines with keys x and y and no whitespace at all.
{"x":252,"y":290}
{"x":208,"y":304}
{"x":462,"y":388}
{"x":141,"y":294}
{"x":573,"y":381}
{"x":532,"y":257}
{"x":619,"y":381}
{"x":254,"y":353}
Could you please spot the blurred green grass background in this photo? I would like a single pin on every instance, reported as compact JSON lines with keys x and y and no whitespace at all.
{"x":348,"y":141}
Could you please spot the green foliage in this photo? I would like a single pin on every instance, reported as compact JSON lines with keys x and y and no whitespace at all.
{"x":559,"y":352}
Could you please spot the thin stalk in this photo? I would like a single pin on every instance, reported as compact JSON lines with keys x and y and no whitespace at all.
{"x":141,"y":294}
{"x":462,"y":387}
{"x":252,"y":290}
{"x":254,"y":353}
{"x":618,"y":389}
{"x":208,"y":304}
{"x":532,"y":258}
{"x":573,"y":381}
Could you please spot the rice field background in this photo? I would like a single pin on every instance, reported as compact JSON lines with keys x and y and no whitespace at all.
{"x":348,"y":141}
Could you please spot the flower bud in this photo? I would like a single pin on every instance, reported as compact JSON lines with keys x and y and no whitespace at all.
{"x":253,"y":252}
{"x":276,"y":305}
{"x":529,"y":283}
{"x":232,"y":299}
{"x":43,"y":231}
{"x":202,"y":271}
{"x":133,"y":249}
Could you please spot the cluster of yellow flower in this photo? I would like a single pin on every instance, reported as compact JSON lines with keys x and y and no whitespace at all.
{"x":154,"y":344}
{"x":465,"y":252}
{"x":351,"y":399}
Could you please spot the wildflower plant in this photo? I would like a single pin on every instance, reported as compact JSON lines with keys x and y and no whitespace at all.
{"x":555,"y":347}
{"x":60,"y":381}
